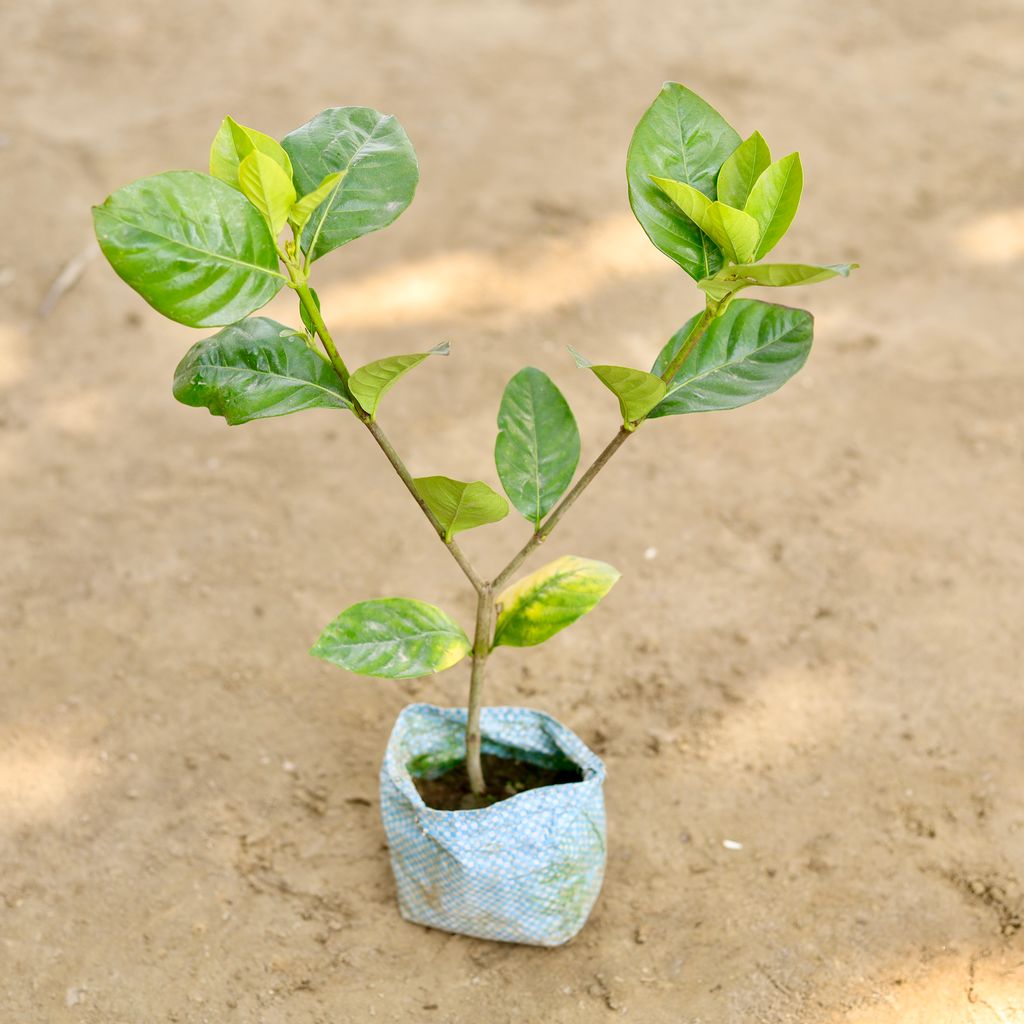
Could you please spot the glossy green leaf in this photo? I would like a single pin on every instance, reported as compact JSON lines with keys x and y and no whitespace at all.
{"x":548,"y":600}
{"x":307,"y":205}
{"x":748,"y":352}
{"x":637,"y":391}
{"x":233,"y":142}
{"x":254,"y":370}
{"x":370,"y":383}
{"x":266,"y":185}
{"x":745,"y":165}
{"x":773,"y":201}
{"x":772,"y":275}
{"x":538,"y":444}
{"x":681,"y":138}
{"x":380,"y":171}
{"x":459,"y":505}
{"x":393,"y":638}
{"x":195,"y":249}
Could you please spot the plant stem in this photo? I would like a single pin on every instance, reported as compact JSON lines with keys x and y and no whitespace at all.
{"x":400,"y":468}
{"x":696,"y":333}
{"x":481,"y":648}
{"x":307,"y":300}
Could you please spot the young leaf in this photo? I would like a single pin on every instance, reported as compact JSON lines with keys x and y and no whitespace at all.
{"x":545,"y":602}
{"x":233,"y":142}
{"x":307,"y":205}
{"x":538,"y":444}
{"x":393,"y":638}
{"x":682,"y":138}
{"x":194,"y":248}
{"x":254,"y":370}
{"x":268,"y":188}
{"x":744,"y":166}
{"x":751,"y":350}
{"x":380,"y":171}
{"x":459,"y":505}
{"x":735,"y":232}
{"x":773,"y":201}
{"x":370,"y":383}
{"x":772,"y":275}
{"x":638,"y":392}
{"x":691,"y":201}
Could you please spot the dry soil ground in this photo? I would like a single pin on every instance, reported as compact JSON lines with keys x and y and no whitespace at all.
{"x":815,"y":649}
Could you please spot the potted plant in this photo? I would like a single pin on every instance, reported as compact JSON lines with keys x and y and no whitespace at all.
{"x":494,"y":816}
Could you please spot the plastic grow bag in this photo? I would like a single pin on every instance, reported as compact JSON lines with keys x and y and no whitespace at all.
{"x":527,"y":869}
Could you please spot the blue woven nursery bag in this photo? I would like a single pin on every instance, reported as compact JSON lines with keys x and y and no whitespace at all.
{"x":527,"y":869}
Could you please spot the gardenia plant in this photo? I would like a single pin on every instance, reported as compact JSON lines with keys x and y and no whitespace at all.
{"x":209,"y":250}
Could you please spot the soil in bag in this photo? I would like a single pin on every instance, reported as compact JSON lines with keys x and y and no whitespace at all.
{"x":505,"y":778}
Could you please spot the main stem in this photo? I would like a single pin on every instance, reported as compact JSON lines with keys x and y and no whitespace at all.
{"x":481,"y":648}
{"x":485,"y":590}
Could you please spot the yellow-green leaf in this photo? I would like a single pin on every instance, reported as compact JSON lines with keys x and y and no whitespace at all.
{"x":393,"y":638}
{"x":307,"y":205}
{"x":548,"y":600}
{"x":370,"y":382}
{"x":771,"y":275}
{"x":745,"y":165}
{"x":265,"y":184}
{"x":459,"y":505}
{"x":638,"y":392}
{"x":736,"y":233}
{"x":233,"y":142}
{"x":773,"y":201}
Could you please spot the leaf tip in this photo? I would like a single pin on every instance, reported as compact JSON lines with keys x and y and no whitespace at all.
{"x":581,"y":361}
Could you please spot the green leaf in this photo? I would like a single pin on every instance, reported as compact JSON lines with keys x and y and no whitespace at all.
{"x":233,"y":142}
{"x":268,"y":188}
{"x":637,"y":391}
{"x":745,"y":165}
{"x":748,"y":352}
{"x":370,"y":382}
{"x":545,"y":602}
{"x":307,"y":320}
{"x":772,"y":275}
{"x":773,"y":201}
{"x":459,"y":505}
{"x":307,"y":205}
{"x":681,"y":138}
{"x":194,"y":248}
{"x":393,"y":638}
{"x":254,"y":370}
{"x":538,"y":444}
{"x":377,"y":159}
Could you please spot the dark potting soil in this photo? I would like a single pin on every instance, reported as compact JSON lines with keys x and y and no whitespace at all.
{"x":505,"y":778}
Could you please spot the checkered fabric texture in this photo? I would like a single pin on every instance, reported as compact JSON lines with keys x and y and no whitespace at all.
{"x":527,"y":869}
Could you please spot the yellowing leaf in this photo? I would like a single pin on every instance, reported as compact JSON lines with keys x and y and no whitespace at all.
{"x":459,"y":505}
{"x":265,"y":184}
{"x":548,"y":600}
{"x":307,"y":205}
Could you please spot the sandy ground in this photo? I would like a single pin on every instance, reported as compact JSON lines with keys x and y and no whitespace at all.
{"x":820,"y":660}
